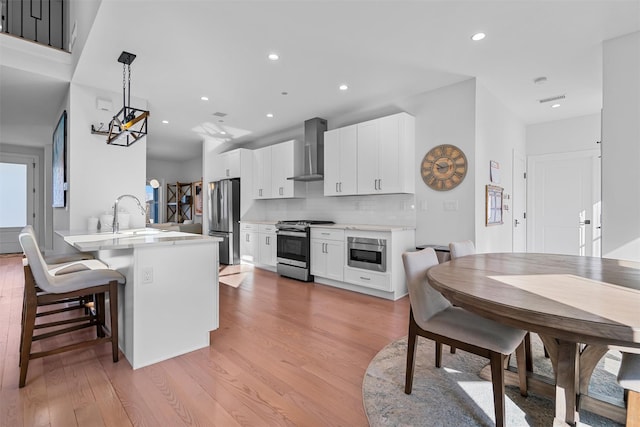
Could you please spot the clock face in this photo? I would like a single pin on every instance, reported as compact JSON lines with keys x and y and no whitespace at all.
{"x":444,"y":167}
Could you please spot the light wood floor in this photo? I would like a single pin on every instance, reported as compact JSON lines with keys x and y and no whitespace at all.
{"x":286,"y":353}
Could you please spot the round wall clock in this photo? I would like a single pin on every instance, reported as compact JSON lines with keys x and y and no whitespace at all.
{"x":444,"y":167}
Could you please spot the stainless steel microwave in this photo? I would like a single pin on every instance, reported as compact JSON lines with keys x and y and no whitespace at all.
{"x":366,"y":253}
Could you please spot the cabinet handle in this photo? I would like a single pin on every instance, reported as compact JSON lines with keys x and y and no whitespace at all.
{"x":337,"y":191}
{"x":341,"y":187}
{"x":380,"y":184}
{"x":326,"y":234}
{"x":375,"y":184}
{"x":365,"y":278}
{"x":326,"y":248}
{"x":227,"y":172}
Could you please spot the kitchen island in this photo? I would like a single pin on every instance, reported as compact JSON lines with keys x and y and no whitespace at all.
{"x":170,"y":301}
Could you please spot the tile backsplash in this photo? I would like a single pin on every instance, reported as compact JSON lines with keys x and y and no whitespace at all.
{"x":388,"y":209}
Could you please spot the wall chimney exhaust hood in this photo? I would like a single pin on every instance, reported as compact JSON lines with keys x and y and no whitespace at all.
{"x":313,"y":150}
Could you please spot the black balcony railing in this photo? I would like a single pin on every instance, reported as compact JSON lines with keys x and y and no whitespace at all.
{"x":42,"y":21}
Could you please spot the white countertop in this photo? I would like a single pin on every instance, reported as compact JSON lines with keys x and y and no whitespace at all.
{"x":365,"y":227}
{"x":361,"y":227}
{"x":127,"y":239}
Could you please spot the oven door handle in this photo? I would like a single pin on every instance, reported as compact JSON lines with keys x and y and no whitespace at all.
{"x":291,"y":233}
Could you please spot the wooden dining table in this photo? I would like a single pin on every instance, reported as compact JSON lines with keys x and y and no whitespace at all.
{"x":579,"y":306}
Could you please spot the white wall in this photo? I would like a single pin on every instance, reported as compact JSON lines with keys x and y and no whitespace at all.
{"x":98,"y":173}
{"x":621,"y":148}
{"x":164,"y":170}
{"x":445,"y":116}
{"x":498,"y":133}
{"x":561,"y":136}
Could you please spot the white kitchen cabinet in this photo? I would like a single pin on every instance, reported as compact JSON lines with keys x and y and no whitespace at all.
{"x":385,"y":153}
{"x":272,"y":166}
{"x":248,"y":238}
{"x":227,"y":165}
{"x":286,"y":161}
{"x":327,"y":253}
{"x":340,"y":159}
{"x":262,"y":173}
{"x":267,"y":244}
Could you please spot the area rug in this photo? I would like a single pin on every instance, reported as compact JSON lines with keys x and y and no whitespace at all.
{"x":455,"y":395}
{"x":234,"y":275}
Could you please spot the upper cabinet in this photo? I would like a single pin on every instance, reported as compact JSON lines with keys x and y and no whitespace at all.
{"x":373,"y":157}
{"x":385,"y":155}
{"x":227,"y":165}
{"x":262,"y":173}
{"x":272,"y":166}
{"x":340,"y":156}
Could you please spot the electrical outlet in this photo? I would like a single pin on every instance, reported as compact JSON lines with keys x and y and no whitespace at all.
{"x":147,"y":275}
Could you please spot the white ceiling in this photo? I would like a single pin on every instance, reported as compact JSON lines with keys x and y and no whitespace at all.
{"x":384,"y":51}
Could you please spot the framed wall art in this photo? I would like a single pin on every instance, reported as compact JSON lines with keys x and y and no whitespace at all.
{"x":494,"y":205}
{"x":59,"y":167}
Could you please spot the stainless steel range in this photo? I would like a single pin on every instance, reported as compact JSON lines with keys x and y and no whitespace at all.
{"x":294,"y":248}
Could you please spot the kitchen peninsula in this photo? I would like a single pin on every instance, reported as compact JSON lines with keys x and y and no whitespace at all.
{"x":170,"y":301}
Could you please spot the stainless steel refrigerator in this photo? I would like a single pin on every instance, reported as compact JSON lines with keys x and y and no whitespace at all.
{"x":224,"y":217}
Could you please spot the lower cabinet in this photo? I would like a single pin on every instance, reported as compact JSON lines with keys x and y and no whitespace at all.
{"x":248,"y":247}
{"x":327,"y":253}
{"x":258,"y":244}
{"x":368,"y":279}
{"x":267,"y":244}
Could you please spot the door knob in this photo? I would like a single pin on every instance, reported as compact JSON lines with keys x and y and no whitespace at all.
{"x":517,"y":222}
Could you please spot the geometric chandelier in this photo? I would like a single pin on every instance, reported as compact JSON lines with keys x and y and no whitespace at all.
{"x":130,"y":124}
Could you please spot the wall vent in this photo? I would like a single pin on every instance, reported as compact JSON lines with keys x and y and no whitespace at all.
{"x":553,"y":98}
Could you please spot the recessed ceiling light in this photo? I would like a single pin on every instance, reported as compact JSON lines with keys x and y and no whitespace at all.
{"x":274,"y":56}
{"x":343,"y":87}
{"x":269,"y":115}
{"x":478,"y":36}
{"x":165,"y":122}
{"x":555,"y":105}
{"x":222,"y":132}
{"x":204,"y":98}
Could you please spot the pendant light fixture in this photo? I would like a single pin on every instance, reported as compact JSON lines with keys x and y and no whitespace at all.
{"x":130,"y":124}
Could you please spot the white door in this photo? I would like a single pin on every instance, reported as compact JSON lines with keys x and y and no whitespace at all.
{"x":564,"y":203}
{"x":519,"y":203}
{"x":18,"y":193}
{"x":367,"y":168}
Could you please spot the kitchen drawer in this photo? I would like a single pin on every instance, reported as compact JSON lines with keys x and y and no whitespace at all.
{"x":266,"y":228}
{"x":327,"y":234}
{"x":367,"y":278}
{"x":247,"y":226}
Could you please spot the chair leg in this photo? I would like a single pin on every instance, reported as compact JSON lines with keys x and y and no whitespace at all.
{"x":100,"y":314}
{"x":633,"y":409}
{"x":113,"y":311}
{"x":497,"y":378}
{"x":521,"y":362}
{"x":438,"y":354}
{"x":527,"y":348}
{"x":30,"y":308}
{"x":411,"y":353}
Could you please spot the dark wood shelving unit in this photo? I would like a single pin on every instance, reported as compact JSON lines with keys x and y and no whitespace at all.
{"x":179,"y":202}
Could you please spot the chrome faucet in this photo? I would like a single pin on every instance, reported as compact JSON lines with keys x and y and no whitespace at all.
{"x":116,"y":225}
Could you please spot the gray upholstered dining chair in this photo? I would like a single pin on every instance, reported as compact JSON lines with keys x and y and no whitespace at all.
{"x":629,"y":379}
{"x":43,"y":288}
{"x":432,"y":316}
{"x":460,"y":249}
{"x":466,"y":247}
